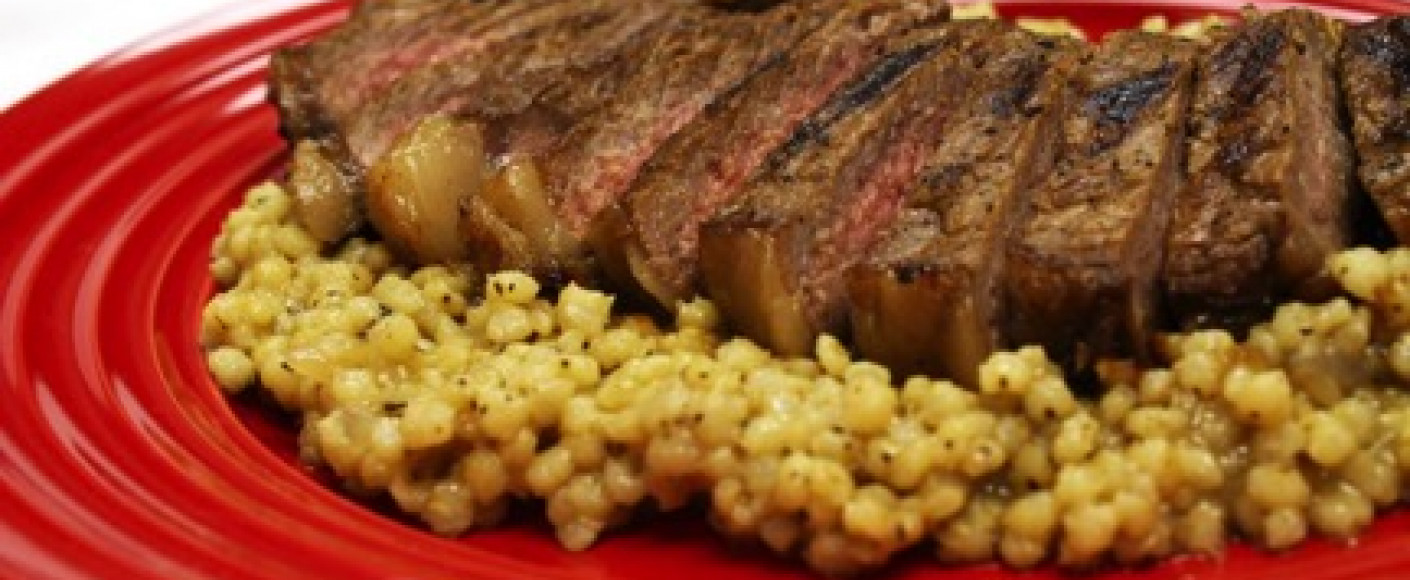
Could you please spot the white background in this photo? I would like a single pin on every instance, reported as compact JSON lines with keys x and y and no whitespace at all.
{"x":41,"y":40}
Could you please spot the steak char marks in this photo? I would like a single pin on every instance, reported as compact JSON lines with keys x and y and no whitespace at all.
{"x":927,"y":300}
{"x":678,"y":78}
{"x":531,"y":92}
{"x":320,"y":86}
{"x":775,"y":260}
{"x":1267,"y":198}
{"x":937,"y":190}
{"x":1375,"y":80}
{"x":1082,"y":265}
{"x":648,"y":240}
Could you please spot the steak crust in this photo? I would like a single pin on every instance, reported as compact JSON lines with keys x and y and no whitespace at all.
{"x":774,"y":262}
{"x":1267,"y":197}
{"x":319,"y":86}
{"x":1082,"y":264}
{"x":648,"y":241}
{"x":1375,"y":81}
{"x":927,"y":299}
{"x":675,"y":80}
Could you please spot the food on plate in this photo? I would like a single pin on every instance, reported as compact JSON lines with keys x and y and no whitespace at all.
{"x":1375,"y":75}
{"x":647,"y":242}
{"x":674,"y":149}
{"x":925,"y":297}
{"x":1268,"y":194}
{"x":1083,"y":255}
{"x":931,"y":232}
{"x":456,"y":401}
{"x":774,"y":258}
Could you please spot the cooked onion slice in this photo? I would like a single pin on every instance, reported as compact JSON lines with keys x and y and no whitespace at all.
{"x":518,"y":196}
{"x":325,"y":199}
{"x":416,"y":190}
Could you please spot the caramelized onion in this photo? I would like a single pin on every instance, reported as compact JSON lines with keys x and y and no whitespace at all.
{"x":325,"y":198}
{"x":417,"y":189}
{"x":518,"y":198}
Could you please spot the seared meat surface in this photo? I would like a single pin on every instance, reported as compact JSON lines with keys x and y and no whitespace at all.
{"x":648,"y":241}
{"x":531,"y":90}
{"x":523,"y":101}
{"x":931,"y":190}
{"x":774,"y":260}
{"x":676,"y":79}
{"x":320,"y":86}
{"x":926,"y":300}
{"x":1082,"y":264}
{"x":1375,"y":79}
{"x":588,"y":155}
{"x":1267,"y":197}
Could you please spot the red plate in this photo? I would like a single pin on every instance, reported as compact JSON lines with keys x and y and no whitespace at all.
{"x":119,"y":458}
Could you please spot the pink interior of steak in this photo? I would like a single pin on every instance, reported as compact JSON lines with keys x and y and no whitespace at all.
{"x":735,"y":143}
{"x":874,"y":207}
{"x":682,"y":75}
{"x":731,"y":171}
{"x":499,"y":88}
{"x":386,"y":40}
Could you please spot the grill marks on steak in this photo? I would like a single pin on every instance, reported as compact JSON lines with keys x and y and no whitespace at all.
{"x":774,"y":261}
{"x":678,"y":77}
{"x":648,"y":240}
{"x":997,"y":189}
{"x":927,"y":299}
{"x":1375,"y":80}
{"x":531,"y":92}
{"x":586,"y":137}
{"x":1081,"y":266}
{"x":1267,"y":197}
{"x":320,"y":85}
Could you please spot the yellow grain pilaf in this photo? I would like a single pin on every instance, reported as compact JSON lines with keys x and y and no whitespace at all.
{"x":455,"y":399}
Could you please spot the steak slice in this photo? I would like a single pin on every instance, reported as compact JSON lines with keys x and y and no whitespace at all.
{"x":675,"y":80}
{"x":319,"y":85}
{"x":927,"y":300}
{"x":1082,"y":264}
{"x":539,"y":85}
{"x":647,"y":242}
{"x":601,"y":126}
{"x":774,"y":260}
{"x":513,"y":105}
{"x":1375,"y":81}
{"x":1267,"y":196}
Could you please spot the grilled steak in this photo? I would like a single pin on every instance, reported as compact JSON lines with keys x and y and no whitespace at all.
{"x":677,"y":79}
{"x":1375,"y":81}
{"x":589,"y":156}
{"x":530,"y":92}
{"x":648,"y":241}
{"x":1267,"y":197}
{"x":774,"y":260}
{"x":320,"y":85}
{"x":1082,"y":264}
{"x":939,"y":189}
{"x":523,"y":101}
{"x":927,"y":300}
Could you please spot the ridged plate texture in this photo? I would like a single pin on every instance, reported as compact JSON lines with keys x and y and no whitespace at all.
{"x":119,"y":458}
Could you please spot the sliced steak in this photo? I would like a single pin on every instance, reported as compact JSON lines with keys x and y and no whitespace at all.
{"x":534,"y":88}
{"x":1375,"y":81}
{"x":1082,"y":264}
{"x":513,"y":106}
{"x":673,"y":82}
{"x":648,"y":240}
{"x":598,"y":128}
{"x":319,"y":85}
{"x":1267,"y":197}
{"x":774,"y":260}
{"x":927,"y":299}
